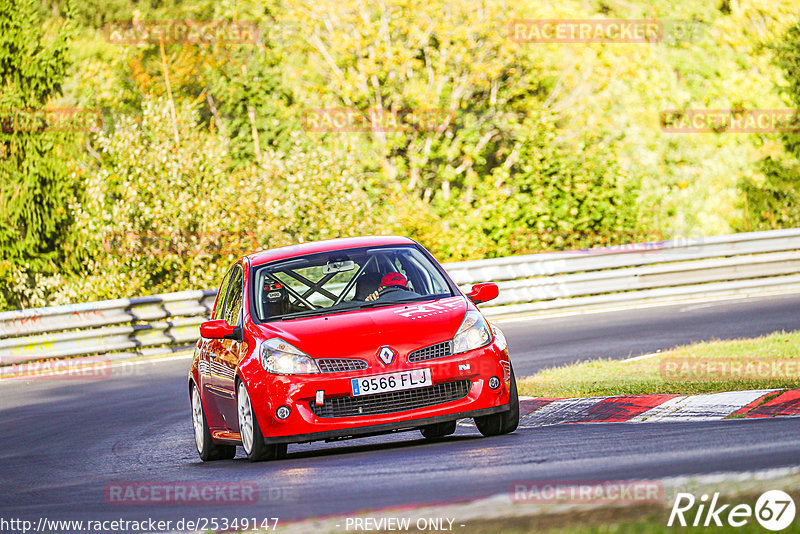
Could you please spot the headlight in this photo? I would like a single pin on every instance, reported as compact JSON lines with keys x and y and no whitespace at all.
{"x":499,"y":338}
{"x":472,"y":334}
{"x":282,"y":358}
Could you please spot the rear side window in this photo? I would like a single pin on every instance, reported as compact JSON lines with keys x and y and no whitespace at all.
{"x":219,"y":305}
{"x":233,"y":304}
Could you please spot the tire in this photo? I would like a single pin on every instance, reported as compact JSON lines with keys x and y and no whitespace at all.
{"x":252,"y":439}
{"x":438,"y":430}
{"x":503,"y":422}
{"x":206,"y":448}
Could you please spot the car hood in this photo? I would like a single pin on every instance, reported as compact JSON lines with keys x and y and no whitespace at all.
{"x":360,"y":334}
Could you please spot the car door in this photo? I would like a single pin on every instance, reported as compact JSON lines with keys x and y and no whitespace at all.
{"x":207,"y":349}
{"x":227,"y":353}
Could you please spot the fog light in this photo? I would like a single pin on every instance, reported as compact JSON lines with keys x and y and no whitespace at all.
{"x":283,"y":412}
{"x":494,"y":382}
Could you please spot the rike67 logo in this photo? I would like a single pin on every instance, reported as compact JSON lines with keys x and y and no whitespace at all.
{"x":774,"y":510}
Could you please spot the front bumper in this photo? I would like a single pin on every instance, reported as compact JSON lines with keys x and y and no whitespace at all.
{"x":269,"y":392}
{"x":373,"y":430}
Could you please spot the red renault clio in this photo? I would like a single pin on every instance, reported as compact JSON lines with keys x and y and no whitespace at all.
{"x":345,"y":338}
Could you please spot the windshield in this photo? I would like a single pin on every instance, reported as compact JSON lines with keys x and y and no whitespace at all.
{"x":345,"y":280}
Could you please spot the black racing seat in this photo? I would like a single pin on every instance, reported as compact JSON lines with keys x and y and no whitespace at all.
{"x":274,"y":299}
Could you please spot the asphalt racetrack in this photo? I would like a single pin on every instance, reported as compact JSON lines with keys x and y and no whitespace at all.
{"x":65,"y":442}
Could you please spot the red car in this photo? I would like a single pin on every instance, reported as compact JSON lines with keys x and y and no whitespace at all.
{"x":345,"y":338}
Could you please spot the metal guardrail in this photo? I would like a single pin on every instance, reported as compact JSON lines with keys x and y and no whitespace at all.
{"x":171,"y":319}
{"x":739,"y":264}
{"x":645,"y":273}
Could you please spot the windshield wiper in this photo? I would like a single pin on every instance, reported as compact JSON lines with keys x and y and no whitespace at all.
{"x":377,"y":303}
{"x":295,"y":315}
{"x":331,"y":309}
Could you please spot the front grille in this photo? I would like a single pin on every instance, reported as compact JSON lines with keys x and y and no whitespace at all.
{"x":394,"y":401}
{"x":440,"y":350}
{"x":339,"y":365}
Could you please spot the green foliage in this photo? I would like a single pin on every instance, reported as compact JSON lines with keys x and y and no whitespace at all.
{"x":164,"y":217}
{"x":501,"y":147}
{"x":772,"y":199}
{"x":154,"y":211}
{"x":405,"y":57}
{"x":491,"y":163}
{"x":249,"y":103}
{"x":35,"y":186}
{"x":554,"y":196}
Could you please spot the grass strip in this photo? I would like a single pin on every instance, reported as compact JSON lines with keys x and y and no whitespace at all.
{"x":768,"y":362}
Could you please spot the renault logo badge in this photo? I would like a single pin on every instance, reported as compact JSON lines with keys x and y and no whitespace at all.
{"x":386,"y":355}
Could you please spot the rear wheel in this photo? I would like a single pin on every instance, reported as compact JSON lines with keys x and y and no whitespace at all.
{"x":438,"y":430}
{"x":252,"y":438}
{"x":206,"y":448}
{"x":503,"y":422}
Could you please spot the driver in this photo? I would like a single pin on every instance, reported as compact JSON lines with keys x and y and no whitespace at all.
{"x":394,"y":286}
{"x":366,"y":285}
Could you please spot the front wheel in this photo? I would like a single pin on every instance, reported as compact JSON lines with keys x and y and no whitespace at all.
{"x":206,"y":448}
{"x":503,"y":422}
{"x":252,"y":438}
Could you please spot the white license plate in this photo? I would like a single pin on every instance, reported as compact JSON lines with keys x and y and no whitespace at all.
{"x":415,"y":378}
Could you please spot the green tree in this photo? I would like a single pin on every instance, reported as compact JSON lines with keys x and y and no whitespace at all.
{"x":772,"y":199}
{"x":154,"y":217}
{"x":553,"y":195}
{"x":35,"y":185}
{"x":249,"y":103}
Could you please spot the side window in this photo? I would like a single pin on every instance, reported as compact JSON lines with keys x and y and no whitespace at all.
{"x":233,"y":304}
{"x":223,"y":290}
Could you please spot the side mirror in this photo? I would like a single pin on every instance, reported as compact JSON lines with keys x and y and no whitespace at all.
{"x":483,"y":292}
{"x":220,"y":329}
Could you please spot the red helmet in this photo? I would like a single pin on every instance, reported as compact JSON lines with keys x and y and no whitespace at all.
{"x":394,"y":279}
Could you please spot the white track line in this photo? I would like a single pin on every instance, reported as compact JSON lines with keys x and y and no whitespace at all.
{"x":642,"y":357}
